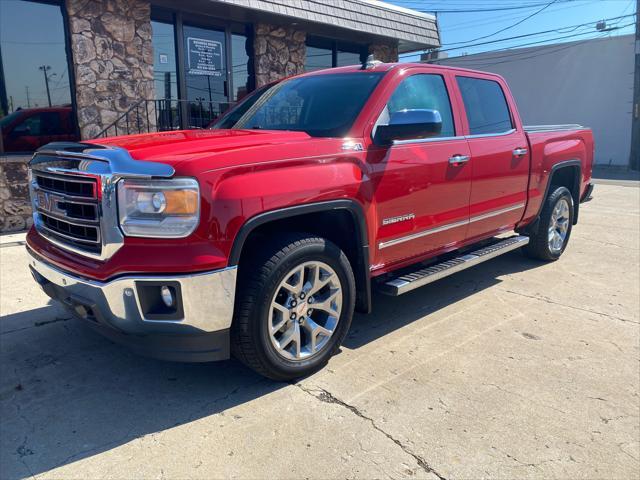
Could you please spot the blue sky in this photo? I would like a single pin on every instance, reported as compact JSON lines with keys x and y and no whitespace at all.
{"x":460,"y":29}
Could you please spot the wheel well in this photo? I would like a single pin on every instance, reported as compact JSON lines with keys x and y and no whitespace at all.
{"x":568,"y":177}
{"x":340,"y":226}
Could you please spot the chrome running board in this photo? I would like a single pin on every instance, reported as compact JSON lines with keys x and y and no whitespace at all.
{"x":410,"y":281}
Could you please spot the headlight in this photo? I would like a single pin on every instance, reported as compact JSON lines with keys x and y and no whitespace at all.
{"x":158,"y":208}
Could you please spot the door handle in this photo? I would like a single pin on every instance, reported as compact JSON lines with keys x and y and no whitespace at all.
{"x":457,"y":160}
{"x":520,"y":152}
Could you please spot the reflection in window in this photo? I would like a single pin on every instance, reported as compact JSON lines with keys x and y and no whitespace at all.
{"x":318,"y":58}
{"x":35,"y":98}
{"x":485,"y":105}
{"x":347,"y":58}
{"x":165,"y":76}
{"x":349,"y":54}
{"x":164,"y":60}
{"x":307,"y":104}
{"x":422,"y":92}
{"x":240,"y":68}
{"x":326,"y":53}
{"x":206,"y":75}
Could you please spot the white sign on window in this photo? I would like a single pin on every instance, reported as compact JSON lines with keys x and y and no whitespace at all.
{"x":204,"y":57}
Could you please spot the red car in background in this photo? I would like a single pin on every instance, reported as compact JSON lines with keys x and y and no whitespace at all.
{"x":26,"y":130}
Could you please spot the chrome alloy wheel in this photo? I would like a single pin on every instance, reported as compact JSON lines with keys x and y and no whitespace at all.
{"x":305,"y":311}
{"x":559,"y":225}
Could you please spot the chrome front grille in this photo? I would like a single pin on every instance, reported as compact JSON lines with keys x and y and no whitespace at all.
{"x":67,"y":210}
{"x":71,"y":186}
{"x":74,"y":195}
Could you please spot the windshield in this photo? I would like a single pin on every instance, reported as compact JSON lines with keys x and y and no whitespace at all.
{"x":320,"y":105}
{"x":9,"y":118}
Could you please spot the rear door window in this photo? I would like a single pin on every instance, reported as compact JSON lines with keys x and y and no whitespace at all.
{"x":486,"y":106}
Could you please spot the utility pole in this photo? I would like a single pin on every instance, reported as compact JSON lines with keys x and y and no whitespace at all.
{"x":634,"y":161}
{"x":28,"y":100}
{"x":44,"y":69}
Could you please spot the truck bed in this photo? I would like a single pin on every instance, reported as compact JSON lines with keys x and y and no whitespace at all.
{"x":552,"y":146}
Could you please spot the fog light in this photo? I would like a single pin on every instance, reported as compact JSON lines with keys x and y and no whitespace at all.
{"x":167,"y":296}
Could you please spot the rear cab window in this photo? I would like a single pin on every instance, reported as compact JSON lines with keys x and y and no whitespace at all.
{"x":485,"y":105}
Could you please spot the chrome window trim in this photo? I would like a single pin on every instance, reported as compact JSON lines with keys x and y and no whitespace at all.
{"x":449,"y":226}
{"x":448,"y":139}
{"x":488,"y":135}
{"x":427,"y":140}
{"x":553,"y":128}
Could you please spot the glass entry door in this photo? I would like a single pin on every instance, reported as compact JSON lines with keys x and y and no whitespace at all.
{"x":206,"y":75}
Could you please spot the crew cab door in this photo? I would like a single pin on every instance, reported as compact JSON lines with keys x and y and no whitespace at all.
{"x":499,"y":149}
{"x":421,"y":192}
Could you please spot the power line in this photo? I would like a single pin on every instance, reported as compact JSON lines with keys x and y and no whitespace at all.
{"x":558,"y":30}
{"x":509,"y":16}
{"x":516,"y":52}
{"x":555,"y":30}
{"x":510,"y":26}
{"x":519,"y":55}
{"x":478,"y":10}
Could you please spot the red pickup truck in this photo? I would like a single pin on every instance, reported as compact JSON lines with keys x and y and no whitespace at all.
{"x":259,"y":237}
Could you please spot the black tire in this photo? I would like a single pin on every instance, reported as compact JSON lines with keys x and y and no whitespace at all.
{"x":538,"y":246}
{"x":259,"y":277}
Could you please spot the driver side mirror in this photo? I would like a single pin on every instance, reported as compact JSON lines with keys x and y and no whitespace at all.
{"x":409,"y":124}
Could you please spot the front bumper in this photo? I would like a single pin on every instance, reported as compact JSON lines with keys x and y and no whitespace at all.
{"x":197,"y":332}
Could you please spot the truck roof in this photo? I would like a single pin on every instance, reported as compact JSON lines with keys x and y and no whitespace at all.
{"x":386,"y":67}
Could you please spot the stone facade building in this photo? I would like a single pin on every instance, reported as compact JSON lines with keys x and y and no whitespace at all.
{"x":91,"y":68}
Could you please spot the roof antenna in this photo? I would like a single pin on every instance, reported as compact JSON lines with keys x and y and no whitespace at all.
{"x":371,"y":62}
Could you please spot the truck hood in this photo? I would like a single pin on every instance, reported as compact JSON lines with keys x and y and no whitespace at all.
{"x":213,"y":149}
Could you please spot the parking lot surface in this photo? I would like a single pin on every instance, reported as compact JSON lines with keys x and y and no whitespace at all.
{"x":514,"y":369}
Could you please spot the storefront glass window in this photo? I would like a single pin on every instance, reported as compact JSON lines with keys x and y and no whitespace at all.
{"x":206,"y":75}
{"x":164,"y":61}
{"x":327,"y":53}
{"x":347,"y":58}
{"x":35,"y":93}
{"x":165,"y":75}
{"x":240,"y":48}
{"x":319,"y":54}
{"x":318,"y":58}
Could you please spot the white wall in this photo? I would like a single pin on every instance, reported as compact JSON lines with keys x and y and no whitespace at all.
{"x":588,"y":82}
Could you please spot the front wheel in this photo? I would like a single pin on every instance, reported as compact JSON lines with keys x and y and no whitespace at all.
{"x":295,"y":304}
{"x":554,"y":228}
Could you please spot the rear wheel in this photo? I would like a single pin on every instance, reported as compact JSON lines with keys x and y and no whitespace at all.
{"x":295,"y":304}
{"x":554,"y":228}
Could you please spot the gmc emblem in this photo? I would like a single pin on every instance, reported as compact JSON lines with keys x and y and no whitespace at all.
{"x":50,"y":203}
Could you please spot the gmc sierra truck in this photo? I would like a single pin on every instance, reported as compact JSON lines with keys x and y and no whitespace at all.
{"x":260,"y":236}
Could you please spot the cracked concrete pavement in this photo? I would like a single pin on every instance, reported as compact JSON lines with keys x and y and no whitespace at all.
{"x":514,"y":369}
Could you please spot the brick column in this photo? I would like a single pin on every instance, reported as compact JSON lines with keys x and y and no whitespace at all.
{"x":15,"y":206}
{"x":112,"y":59}
{"x":279,"y":52}
{"x":386,"y":53}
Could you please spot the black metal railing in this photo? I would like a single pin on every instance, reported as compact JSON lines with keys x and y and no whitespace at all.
{"x":146,"y":116}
